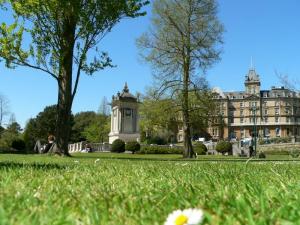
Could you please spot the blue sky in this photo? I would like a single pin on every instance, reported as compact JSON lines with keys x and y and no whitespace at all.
{"x":266,"y":30}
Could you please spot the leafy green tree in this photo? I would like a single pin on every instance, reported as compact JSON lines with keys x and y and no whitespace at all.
{"x":63,"y":33}
{"x":82,"y":120}
{"x":40,"y":127}
{"x":98,"y":130}
{"x":14,"y":128}
{"x":183,"y":42}
{"x":31,"y":134}
{"x":158,"y":117}
{"x":10,"y":134}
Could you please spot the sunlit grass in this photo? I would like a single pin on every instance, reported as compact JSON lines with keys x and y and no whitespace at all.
{"x":136,"y":189}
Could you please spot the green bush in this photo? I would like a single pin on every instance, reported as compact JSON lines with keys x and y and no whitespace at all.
{"x":295,"y":153}
{"x":200,"y":148}
{"x":18,"y":144}
{"x":261,"y":142}
{"x":278,"y":140}
{"x":156,"y":149}
{"x":132,"y":146}
{"x":118,"y":145}
{"x":262,"y":155}
{"x":155,"y":140}
{"x":277,"y":152}
{"x":224,"y":146}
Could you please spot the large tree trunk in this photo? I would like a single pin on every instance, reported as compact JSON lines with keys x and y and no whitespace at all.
{"x":187,"y":138}
{"x":65,"y":98}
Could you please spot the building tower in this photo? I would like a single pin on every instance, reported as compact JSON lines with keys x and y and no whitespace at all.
{"x":124,"y":117}
{"x":252,"y":82}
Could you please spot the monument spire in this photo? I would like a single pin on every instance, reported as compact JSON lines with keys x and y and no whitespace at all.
{"x":126,"y":90}
{"x":251,"y":64}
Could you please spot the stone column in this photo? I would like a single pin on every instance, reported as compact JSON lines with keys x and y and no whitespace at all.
{"x":118,"y":120}
{"x":112,"y":121}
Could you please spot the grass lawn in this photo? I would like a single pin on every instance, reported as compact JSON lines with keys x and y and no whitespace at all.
{"x":143,"y":189}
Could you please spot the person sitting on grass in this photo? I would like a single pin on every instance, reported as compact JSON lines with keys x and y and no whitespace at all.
{"x":46,"y":148}
{"x":87,"y":149}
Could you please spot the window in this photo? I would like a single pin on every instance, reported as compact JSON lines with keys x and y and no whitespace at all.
{"x":242,"y":104}
{"x":276,"y":119}
{"x":242,"y":120}
{"x":277,"y":131}
{"x":287,"y":111}
{"x":242,"y":112}
{"x":288,"y":119}
{"x":128,"y":112}
{"x":266,"y":132}
{"x":277,"y":103}
{"x":266,"y":119}
{"x":215,"y":132}
{"x":242,"y":133}
{"x":266,"y":112}
{"x":276,"y":111}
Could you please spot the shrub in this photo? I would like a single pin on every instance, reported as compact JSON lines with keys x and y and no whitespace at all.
{"x":277,"y":152}
{"x":156,"y":149}
{"x":262,"y":155}
{"x":224,"y":146}
{"x":118,"y":145}
{"x":294,"y":153}
{"x":156,"y":140}
{"x":132,"y":146}
{"x":18,"y":144}
{"x":200,"y":148}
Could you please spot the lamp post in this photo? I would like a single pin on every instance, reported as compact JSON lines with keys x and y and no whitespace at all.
{"x":254,"y":128}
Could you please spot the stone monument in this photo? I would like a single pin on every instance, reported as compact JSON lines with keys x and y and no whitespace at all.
{"x":124,"y":117}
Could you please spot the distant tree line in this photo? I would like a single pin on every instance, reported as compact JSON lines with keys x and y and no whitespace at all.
{"x":86,"y":126}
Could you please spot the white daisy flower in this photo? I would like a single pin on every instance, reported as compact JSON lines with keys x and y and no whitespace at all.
{"x":76,"y":161}
{"x":97,"y":160}
{"x":185,"y":217}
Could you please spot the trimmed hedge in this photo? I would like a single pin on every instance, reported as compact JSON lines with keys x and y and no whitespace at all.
{"x":224,"y":146}
{"x":200,"y":148}
{"x":156,"y":149}
{"x":276,"y":140}
{"x":155,"y":140}
{"x":261,"y":155}
{"x":118,"y":145}
{"x":18,"y":144}
{"x":132,"y":146}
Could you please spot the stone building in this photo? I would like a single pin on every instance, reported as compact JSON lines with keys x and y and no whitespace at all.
{"x":124,"y":117}
{"x":271,"y":113}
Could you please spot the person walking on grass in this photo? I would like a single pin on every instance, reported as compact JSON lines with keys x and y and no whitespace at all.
{"x":251,"y":144}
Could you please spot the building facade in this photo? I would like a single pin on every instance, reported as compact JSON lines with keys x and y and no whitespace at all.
{"x":265,"y":113}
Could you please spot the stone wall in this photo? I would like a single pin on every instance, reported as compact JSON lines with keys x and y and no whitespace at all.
{"x":278,"y":147}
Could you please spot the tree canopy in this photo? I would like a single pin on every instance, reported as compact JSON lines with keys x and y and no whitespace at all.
{"x":64,"y":37}
{"x":184,"y":40}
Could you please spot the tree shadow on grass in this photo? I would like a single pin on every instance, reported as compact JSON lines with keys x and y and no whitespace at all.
{"x":37,"y":166}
